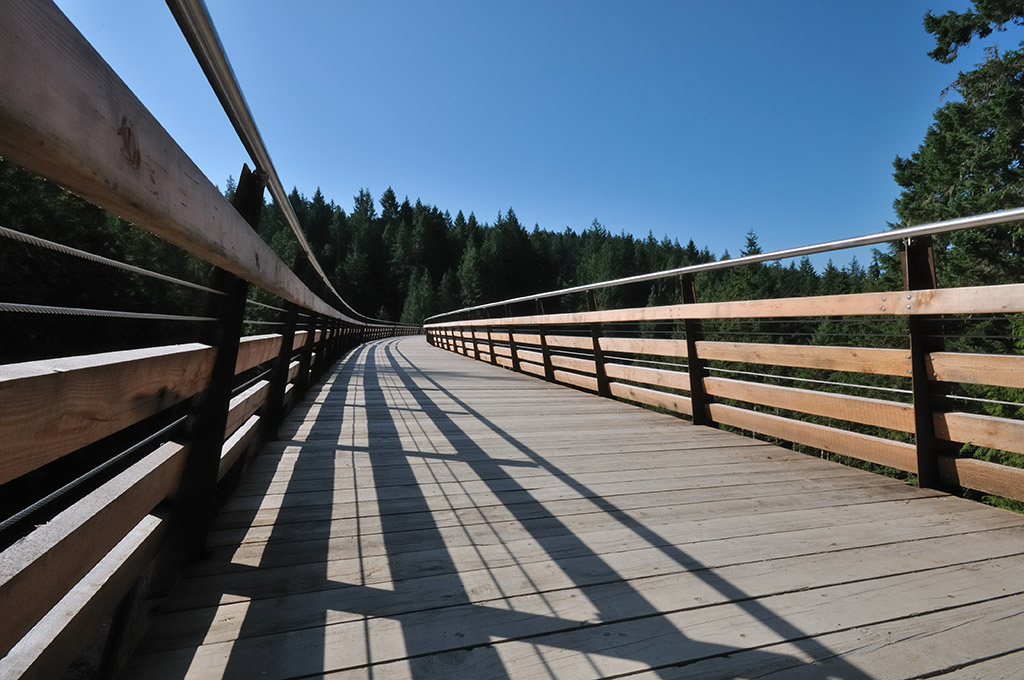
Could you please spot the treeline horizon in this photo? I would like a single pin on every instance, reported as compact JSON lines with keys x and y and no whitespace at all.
{"x":409,"y":261}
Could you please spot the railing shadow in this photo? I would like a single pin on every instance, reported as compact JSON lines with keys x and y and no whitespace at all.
{"x":302,"y":620}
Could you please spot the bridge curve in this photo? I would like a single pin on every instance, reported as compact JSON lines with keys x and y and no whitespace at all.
{"x":424,"y":515}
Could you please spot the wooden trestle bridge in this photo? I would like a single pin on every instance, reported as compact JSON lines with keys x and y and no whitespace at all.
{"x":486,"y":497}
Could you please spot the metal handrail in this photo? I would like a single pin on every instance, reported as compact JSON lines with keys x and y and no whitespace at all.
{"x":929,"y":229}
{"x":195,"y":22}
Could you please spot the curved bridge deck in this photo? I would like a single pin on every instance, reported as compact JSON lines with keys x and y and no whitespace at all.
{"x":429,"y":516}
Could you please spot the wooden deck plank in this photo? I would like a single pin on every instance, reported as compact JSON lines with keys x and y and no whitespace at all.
{"x":429,"y":516}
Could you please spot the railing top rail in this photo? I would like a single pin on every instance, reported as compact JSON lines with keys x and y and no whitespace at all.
{"x":929,"y":229}
{"x":197,"y":26}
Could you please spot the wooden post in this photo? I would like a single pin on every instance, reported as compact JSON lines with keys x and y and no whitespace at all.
{"x":490,"y":347}
{"x":696,"y":367}
{"x":918,"y":267}
{"x":197,"y":493}
{"x":549,"y":369}
{"x":476,"y":346}
{"x":322,"y":359}
{"x":596,"y":332}
{"x":303,"y":379}
{"x":279,"y":373}
{"x":515,"y":350}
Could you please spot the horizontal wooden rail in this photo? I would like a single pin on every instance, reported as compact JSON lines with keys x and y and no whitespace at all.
{"x":751,"y":386}
{"x":92,"y":397}
{"x":39,"y":570}
{"x":100,"y":394}
{"x":971,"y":300}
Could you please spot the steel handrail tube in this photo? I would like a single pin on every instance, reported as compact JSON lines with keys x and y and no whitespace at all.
{"x":930,"y":229}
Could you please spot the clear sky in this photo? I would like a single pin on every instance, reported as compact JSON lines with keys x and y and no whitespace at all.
{"x":688,"y":119}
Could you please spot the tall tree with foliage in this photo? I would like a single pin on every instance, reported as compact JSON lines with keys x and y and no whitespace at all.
{"x":970,"y":161}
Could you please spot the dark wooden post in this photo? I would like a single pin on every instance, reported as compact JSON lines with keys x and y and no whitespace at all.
{"x":490,"y":347}
{"x":514,"y":349}
{"x":918,"y":268}
{"x":303,"y":379}
{"x":198,"y":489}
{"x":596,"y":332}
{"x":476,"y":346}
{"x":322,"y":361}
{"x":279,"y":373}
{"x":545,"y":351}
{"x":193,"y":505}
{"x":696,"y":367}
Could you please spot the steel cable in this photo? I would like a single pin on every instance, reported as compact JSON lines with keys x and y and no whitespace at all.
{"x":19,"y":308}
{"x":99,"y":259}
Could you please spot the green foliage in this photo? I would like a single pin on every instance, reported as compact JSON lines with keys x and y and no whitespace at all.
{"x":970,"y":161}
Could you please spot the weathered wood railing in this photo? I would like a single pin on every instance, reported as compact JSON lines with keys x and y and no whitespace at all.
{"x":160,"y":426}
{"x":659,"y":357}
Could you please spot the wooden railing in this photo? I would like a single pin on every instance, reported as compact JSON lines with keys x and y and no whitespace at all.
{"x":162,"y":429}
{"x":900,"y":405}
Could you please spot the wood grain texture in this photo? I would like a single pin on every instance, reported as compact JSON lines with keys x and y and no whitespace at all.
{"x":49,"y":648}
{"x":245,"y":404}
{"x":860,"y":446}
{"x":981,"y":475}
{"x":1001,"y":299}
{"x":880,"y":412}
{"x":568,"y":342}
{"x":982,"y":369}
{"x":38,"y":571}
{"x":91,"y":397}
{"x":851,"y":359}
{"x":985,"y":431}
{"x":237,"y":444}
{"x":650,"y":376}
{"x":580,"y":365}
{"x":576,"y":380}
{"x":255,"y":350}
{"x":647,"y":346}
{"x":673,"y":402}
{"x":67,"y":116}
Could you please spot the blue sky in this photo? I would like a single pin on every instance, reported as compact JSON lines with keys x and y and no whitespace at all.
{"x":686,"y":119}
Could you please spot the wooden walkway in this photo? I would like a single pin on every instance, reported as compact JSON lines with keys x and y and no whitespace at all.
{"x":428,"y":516}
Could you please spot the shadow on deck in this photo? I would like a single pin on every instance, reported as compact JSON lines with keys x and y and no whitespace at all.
{"x":428,"y":516}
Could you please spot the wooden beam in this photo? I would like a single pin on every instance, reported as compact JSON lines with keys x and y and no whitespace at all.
{"x":989,"y":432}
{"x":574,"y":364}
{"x":1008,"y":298}
{"x":67,"y":116}
{"x":679,"y":380}
{"x":90,"y":397}
{"x":55,"y":642}
{"x":979,"y":369}
{"x":980,"y":475}
{"x":851,"y":359}
{"x":576,"y":380}
{"x":255,"y":350}
{"x":236,"y":445}
{"x":676,"y":403}
{"x":650,"y":346}
{"x":860,"y":446}
{"x":245,"y":404}
{"x":880,"y":412}
{"x":39,"y":570}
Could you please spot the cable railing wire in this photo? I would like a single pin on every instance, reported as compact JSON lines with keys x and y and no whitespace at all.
{"x":78,"y":481}
{"x":19,"y":308}
{"x":264,"y":306}
{"x":99,"y":259}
